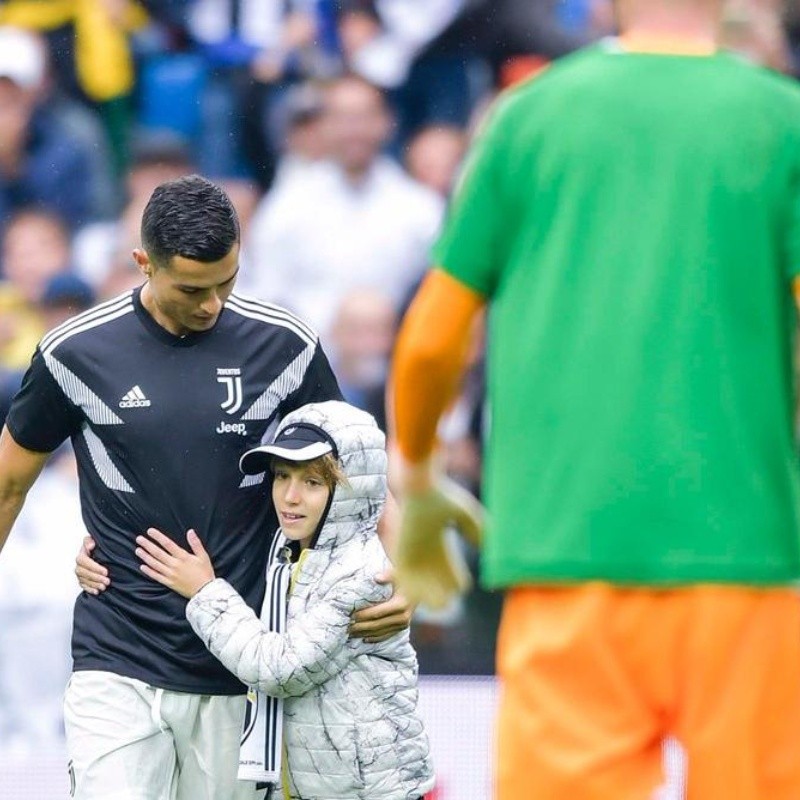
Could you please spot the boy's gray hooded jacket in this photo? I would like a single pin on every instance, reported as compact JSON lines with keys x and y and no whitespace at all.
{"x":351,"y":731}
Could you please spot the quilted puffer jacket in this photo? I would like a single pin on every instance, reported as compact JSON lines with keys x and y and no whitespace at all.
{"x":351,"y":730}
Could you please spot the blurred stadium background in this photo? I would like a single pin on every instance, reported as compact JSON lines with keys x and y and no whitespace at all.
{"x":338,"y":127}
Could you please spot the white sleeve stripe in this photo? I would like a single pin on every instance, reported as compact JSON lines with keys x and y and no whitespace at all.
{"x":287,"y":382}
{"x":251,"y":480}
{"x":273,"y":314}
{"x":272,"y":320}
{"x":92,"y":313}
{"x":83,"y":325}
{"x":80,"y":394}
{"x":255,"y":304}
{"x":101,"y":459}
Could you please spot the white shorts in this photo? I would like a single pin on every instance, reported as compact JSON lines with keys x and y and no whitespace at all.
{"x":130,"y":741}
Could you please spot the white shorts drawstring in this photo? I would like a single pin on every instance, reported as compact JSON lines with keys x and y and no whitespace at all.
{"x":155,"y":710}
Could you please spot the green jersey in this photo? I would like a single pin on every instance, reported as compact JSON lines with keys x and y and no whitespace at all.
{"x":634,"y":221}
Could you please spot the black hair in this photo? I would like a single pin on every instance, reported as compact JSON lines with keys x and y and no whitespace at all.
{"x":189,"y":217}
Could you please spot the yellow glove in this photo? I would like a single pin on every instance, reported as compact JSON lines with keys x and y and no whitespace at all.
{"x":428,"y":570}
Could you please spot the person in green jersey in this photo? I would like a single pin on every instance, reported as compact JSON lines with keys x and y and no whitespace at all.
{"x":631,"y":217}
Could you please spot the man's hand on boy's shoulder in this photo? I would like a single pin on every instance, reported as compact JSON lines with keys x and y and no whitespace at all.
{"x":381,"y":621}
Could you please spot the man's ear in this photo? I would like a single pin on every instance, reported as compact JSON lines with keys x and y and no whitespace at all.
{"x":143,"y":262}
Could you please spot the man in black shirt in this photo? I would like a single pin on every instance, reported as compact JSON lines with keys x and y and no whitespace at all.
{"x":160,"y":390}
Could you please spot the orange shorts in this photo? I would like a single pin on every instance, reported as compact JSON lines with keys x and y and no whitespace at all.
{"x":595,"y":677}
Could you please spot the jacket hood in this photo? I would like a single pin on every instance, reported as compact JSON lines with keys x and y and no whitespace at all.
{"x":355,"y":508}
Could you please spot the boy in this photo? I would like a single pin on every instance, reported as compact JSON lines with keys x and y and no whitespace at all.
{"x":351,"y":730}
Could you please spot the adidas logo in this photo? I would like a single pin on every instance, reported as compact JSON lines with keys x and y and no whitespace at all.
{"x":134,"y":399}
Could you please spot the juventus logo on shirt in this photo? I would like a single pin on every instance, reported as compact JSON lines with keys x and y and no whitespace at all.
{"x":232,"y":378}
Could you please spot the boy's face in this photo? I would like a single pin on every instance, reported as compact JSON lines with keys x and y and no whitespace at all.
{"x":300,"y":498}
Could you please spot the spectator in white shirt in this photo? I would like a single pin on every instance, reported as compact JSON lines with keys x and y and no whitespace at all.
{"x":255,"y":50}
{"x":302,"y":127}
{"x":37,"y":591}
{"x":355,"y":221}
{"x":361,"y":339}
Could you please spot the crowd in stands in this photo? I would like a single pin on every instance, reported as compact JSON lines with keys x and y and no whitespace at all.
{"x":338,"y":127}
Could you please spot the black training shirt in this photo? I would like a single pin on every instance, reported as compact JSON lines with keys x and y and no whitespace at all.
{"x":158,"y":423}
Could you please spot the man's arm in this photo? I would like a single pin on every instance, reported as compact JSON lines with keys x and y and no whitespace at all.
{"x":429,"y":361}
{"x":41,"y":417}
{"x":19,"y":469}
{"x":313,"y":648}
{"x":311,"y":651}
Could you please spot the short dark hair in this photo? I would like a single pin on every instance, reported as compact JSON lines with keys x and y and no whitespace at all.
{"x":189,"y":217}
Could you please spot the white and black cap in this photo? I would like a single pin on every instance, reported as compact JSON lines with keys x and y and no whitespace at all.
{"x":300,"y":442}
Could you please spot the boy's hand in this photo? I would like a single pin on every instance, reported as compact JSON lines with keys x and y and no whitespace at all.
{"x":172,"y":566}
{"x":92,"y":577}
{"x":383,"y":620}
{"x":428,"y":570}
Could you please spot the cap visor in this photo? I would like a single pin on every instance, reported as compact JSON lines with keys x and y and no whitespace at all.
{"x":257,"y":460}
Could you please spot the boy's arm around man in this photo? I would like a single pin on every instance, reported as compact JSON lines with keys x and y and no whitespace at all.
{"x":315,"y":647}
